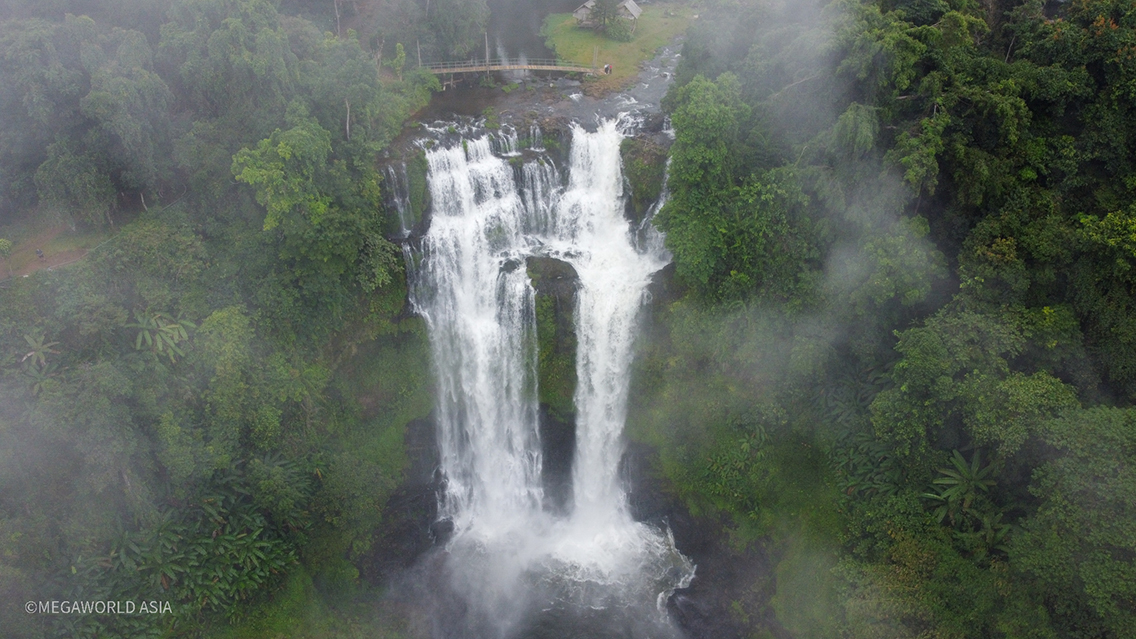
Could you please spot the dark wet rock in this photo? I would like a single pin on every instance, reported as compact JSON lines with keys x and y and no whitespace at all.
{"x":441,"y":531}
{"x":644,"y":167}
{"x":411,"y":510}
{"x":727,"y":579}
{"x":556,"y":284}
{"x":653,"y":123}
{"x":555,"y":278}
{"x":558,"y":449}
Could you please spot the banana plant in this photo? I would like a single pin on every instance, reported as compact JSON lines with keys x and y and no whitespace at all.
{"x":959,"y":487}
{"x":40,"y":350}
{"x":38,"y":376}
{"x":866,"y":467}
{"x":992,"y":536}
{"x":160,"y":334}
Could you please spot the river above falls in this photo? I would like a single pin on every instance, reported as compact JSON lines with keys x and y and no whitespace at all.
{"x":514,"y":26}
{"x":538,"y":95}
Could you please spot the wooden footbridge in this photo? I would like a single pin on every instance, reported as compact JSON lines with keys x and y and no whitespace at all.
{"x":489,"y":66}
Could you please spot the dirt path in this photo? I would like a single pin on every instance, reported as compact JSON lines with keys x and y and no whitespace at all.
{"x":51,"y":261}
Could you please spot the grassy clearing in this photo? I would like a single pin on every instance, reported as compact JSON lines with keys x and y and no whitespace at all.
{"x":658,"y":26}
{"x":60,"y":246}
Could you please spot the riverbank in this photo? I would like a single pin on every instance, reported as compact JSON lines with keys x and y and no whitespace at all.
{"x":658,"y":26}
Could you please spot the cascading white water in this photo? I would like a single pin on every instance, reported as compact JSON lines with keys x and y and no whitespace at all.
{"x":481,"y":326}
{"x":400,"y":197}
{"x":473,"y":289}
{"x":591,"y":233}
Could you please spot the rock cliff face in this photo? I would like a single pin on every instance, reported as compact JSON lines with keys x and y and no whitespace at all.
{"x":556,"y":285}
{"x":644,"y":166}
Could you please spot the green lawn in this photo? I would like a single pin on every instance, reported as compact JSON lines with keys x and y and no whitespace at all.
{"x":659,"y":25}
{"x":59,"y":243}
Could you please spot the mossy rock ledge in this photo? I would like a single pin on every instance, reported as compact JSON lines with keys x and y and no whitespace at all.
{"x":645,"y":167}
{"x":556,"y":284}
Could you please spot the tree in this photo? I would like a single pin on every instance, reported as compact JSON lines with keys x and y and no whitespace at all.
{"x":233,"y":60}
{"x":955,"y":383}
{"x":1078,"y":544}
{"x":92,"y":119}
{"x":284,"y":169}
{"x":605,"y":11}
{"x":6,"y":253}
{"x":39,"y":350}
{"x":399,"y":60}
{"x":160,"y":333}
{"x":323,"y":217}
{"x":959,"y":489}
{"x":458,"y":25}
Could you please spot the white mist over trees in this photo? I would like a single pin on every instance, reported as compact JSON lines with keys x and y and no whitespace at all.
{"x":885,"y":390}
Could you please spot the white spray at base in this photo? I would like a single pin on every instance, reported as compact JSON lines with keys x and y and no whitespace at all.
{"x":472,"y":287}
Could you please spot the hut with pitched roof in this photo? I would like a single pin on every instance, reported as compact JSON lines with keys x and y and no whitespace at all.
{"x":627,"y":10}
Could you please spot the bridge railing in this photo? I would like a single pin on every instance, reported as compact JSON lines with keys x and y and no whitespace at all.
{"x":471,"y":65}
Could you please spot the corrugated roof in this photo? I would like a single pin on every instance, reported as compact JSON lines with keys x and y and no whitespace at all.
{"x":583,"y":12}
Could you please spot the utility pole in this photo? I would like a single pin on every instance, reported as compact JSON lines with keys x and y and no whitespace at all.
{"x":486,"y":55}
{"x":418,"y":45}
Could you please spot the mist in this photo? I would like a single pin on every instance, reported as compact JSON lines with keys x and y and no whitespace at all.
{"x":807,"y":320}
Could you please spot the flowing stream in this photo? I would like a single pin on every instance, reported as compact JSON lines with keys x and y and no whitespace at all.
{"x":512,"y":560}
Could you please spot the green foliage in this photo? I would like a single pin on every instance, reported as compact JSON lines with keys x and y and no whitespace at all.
{"x":207,"y":556}
{"x":644,"y":164}
{"x":399,"y":60}
{"x":806,"y":600}
{"x":866,"y":467}
{"x":918,"y":134}
{"x":1077,"y":545}
{"x":6,"y":254}
{"x":40,"y":349}
{"x":604,"y":12}
{"x":900,"y":266}
{"x":282,"y":170}
{"x":324,"y":214}
{"x":91,"y":119}
{"x":556,"y":357}
{"x":959,"y":489}
{"x":160,"y":333}
{"x":491,"y":120}
{"x":458,"y":26}
{"x":146,"y":458}
{"x":619,"y":29}
{"x":956,"y":372}
{"x":77,"y":181}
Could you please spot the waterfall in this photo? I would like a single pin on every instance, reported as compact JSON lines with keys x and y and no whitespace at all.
{"x":536,"y":138}
{"x":472,"y":287}
{"x":480,"y":313}
{"x":399,"y":195}
{"x":507,"y":142}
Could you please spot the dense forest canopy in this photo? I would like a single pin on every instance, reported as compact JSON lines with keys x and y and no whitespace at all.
{"x":183,"y":424}
{"x":898,"y":354}
{"x":904,"y":232}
